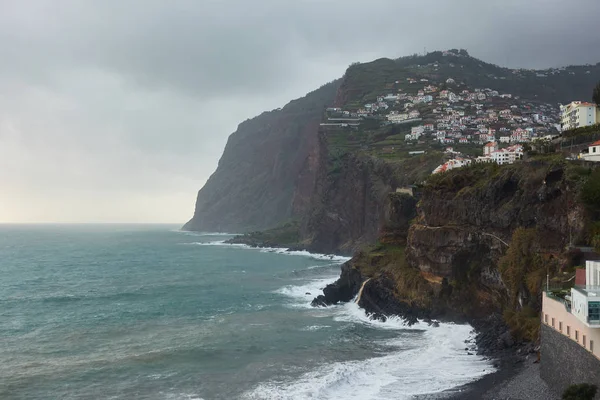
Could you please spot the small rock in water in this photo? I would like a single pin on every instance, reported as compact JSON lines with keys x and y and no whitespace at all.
{"x":307,"y":293}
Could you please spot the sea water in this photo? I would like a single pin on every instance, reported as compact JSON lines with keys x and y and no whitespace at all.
{"x":149,"y":312}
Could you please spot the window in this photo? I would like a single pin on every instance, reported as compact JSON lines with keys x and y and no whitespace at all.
{"x":546,"y":318}
{"x":592,"y":346}
{"x":593,"y":149}
{"x":594,"y":311}
{"x":577,"y":336}
{"x":553,"y":322}
{"x":560,"y":326}
{"x":583,"y":340}
{"x":568,"y":331}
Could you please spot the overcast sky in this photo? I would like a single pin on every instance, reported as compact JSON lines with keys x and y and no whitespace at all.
{"x":118,"y":110}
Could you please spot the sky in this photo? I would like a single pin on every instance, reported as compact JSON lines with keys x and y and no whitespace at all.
{"x":118,"y":110}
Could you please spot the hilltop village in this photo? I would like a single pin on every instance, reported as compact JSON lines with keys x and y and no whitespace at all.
{"x":467,"y":124}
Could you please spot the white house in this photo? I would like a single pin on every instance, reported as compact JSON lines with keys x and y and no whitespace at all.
{"x":396,"y":118}
{"x":504,"y":139}
{"x":578,"y":114}
{"x":452,"y":164}
{"x":593,"y":153}
{"x":414,"y":114}
{"x":489,"y":148}
{"x":508,"y":155}
{"x":417,"y":130}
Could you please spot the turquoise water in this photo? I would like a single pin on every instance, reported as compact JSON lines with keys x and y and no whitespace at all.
{"x":147,"y":312}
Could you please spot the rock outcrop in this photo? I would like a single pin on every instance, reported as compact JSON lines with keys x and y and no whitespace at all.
{"x":267,"y":170}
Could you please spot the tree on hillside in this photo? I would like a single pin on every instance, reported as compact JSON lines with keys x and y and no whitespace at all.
{"x":596,"y":94}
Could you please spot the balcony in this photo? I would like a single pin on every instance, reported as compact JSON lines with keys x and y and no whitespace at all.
{"x":592,"y":294}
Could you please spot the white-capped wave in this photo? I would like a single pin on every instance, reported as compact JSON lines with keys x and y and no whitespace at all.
{"x":193,"y":233}
{"x":436,"y":363}
{"x":351,"y":312}
{"x":277,"y":250}
{"x":303,"y":294}
{"x":313,"y":328}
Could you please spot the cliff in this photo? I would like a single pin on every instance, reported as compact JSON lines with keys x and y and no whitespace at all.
{"x":326,"y":188}
{"x":481,"y":244}
{"x":267,"y":169}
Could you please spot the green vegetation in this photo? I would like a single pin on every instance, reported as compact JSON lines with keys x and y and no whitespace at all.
{"x":521,"y":264}
{"x":583,"y":391}
{"x":364,"y":82}
{"x":524,"y":324}
{"x":474,"y":175}
{"x":286,"y":234}
{"x":390,"y":259}
{"x":523,"y":270}
{"x":590,"y":193}
{"x":557,"y":86}
{"x":586,"y":131}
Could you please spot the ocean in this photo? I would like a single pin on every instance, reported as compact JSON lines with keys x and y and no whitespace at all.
{"x":150,"y":312}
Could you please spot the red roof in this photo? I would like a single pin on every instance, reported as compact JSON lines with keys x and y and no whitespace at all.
{"x":596,"y":143}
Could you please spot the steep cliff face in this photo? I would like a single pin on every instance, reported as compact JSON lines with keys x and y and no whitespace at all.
{"x":469,"y":217}
{"x":267,"y":170}
{"x":348,"y":206}
{"x":441,"y":260}
{"x":332,"y":183}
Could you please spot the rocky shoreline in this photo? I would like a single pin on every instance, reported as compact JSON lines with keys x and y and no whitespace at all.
{"x":493,"y":338}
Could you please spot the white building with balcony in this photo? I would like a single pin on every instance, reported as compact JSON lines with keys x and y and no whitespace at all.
{"x":577,"y":315}
{"x":578,"y":114}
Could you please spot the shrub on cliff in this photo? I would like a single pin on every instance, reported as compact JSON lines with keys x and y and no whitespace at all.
{"x":524,"y":324}
{"x":590,"y":193}
{"x":523,"y":269}
{"x":520,"y":265}
{"x":582,"y":391}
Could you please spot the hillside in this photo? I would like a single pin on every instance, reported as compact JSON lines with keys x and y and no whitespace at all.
{"x":325,"y":165}
{"x":265,"y":174}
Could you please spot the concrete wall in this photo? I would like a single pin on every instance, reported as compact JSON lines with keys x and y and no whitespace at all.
{"x":564,"y":362}
{"x":556,"y":316}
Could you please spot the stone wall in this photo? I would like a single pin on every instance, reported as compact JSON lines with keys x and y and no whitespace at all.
{"x":564,"y":362}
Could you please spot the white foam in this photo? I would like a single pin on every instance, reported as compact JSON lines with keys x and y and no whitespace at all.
{"x":303,"y":294}
{"x":313,"y":328}
{"x":277,"y":250}
{"x":432,"y":363}
{"x":193,"y":233}
{"x":351,"y":312}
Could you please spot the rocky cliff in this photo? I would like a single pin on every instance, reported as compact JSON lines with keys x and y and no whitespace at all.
{"x":445,"y":262}
{"x":330,"y":185}
{"x":267,"y":170}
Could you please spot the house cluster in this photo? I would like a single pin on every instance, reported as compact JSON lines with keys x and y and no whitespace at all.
{"x":508,"y":155}
{"x":478,"y":117}
{"x":491,"y":154}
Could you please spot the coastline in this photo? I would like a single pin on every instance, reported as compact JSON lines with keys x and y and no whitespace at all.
{"x":521,"y":380}
{"x":516,"y":375}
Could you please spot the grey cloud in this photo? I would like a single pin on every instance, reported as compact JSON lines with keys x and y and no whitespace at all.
{"x":118,"y":103}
